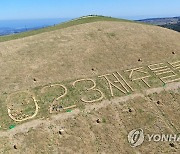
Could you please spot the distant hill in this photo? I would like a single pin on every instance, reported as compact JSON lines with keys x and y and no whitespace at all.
{"x":170,"y":23}
{"x":175,"y":27}
{"x":161,"y":21}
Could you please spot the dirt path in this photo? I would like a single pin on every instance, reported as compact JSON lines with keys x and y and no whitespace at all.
{"x":39,"y":122}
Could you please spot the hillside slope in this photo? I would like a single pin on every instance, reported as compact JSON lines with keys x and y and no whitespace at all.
{"x":31,"y":68}
{"x":77,"y":21}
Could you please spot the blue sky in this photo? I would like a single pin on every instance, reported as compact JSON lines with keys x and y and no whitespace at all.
{"x":130,"y":9}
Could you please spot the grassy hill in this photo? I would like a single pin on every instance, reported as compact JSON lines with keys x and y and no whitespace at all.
{"x":74,"y":22}
{"x":63,"y":66}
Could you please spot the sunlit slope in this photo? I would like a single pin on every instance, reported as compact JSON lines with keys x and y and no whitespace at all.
{"x":29,"y":65}
{"x":83,"y":50}
{"x":78,"y":21}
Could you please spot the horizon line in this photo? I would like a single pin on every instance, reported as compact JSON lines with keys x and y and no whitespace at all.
{"x":127,"y":18}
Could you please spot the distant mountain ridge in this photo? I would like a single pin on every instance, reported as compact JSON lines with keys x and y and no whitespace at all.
{"x":170,"y":23}
{"x":161,"y":21}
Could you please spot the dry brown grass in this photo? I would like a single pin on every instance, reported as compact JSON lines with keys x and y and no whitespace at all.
{"x":83,"y":51}
{"x":71,"y":53}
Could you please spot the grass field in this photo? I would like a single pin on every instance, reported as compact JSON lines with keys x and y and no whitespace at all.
{"x":82,"y":49}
